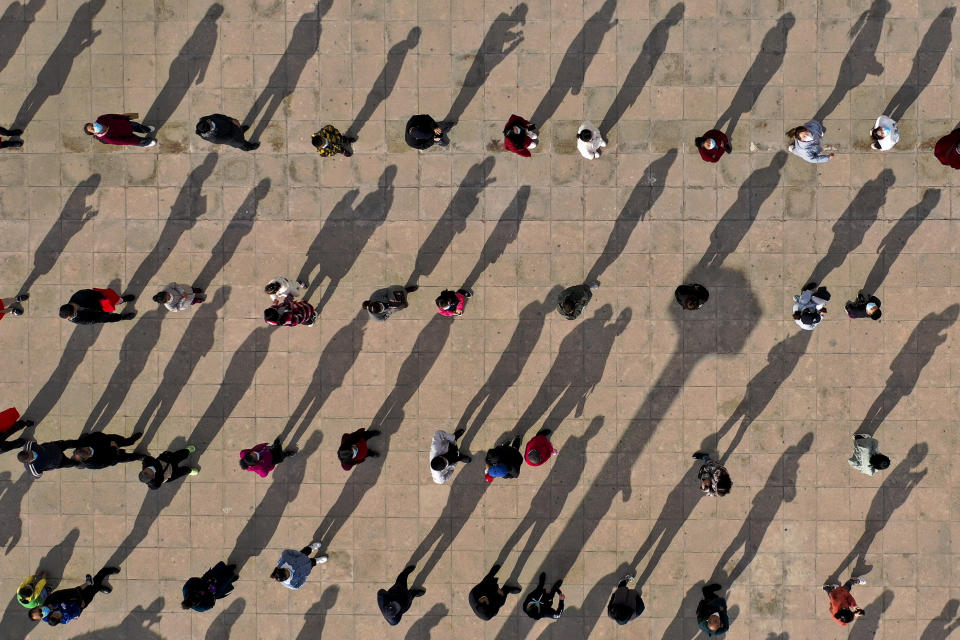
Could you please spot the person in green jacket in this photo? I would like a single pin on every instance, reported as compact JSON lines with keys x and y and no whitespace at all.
{"x":33,"y":591}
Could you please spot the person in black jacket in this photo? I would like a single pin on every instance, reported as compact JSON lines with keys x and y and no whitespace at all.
{"x":102,"y":450}
{"x":423,"y":132}
{"x":625,"y":603}
{"x":221,"y":129}
{"x":165,"y":467}
{"x":396,"y":601}
{"x":864,"y":307}
{"x":504,"y":460}
{"x":539,"y":602}
{"x":6,"y":444}
{"x":691,"y":296}
{"x":95,"y":306}
{"x":38,"y":458}
{"x":200,"y":594}
{"x":487,"y":597}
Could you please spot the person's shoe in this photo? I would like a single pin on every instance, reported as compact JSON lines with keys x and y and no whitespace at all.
{"x":416,"y":593}
{"x":700,"y":455}
{"x":129,"y":315}
{"x":15,"y":143}
{"x":532,"y":145}
{"x":828,"y":587}
{"x":511,"y":589}
{"x":458,"y":433}
{"x":251,"y":146}
{"x":128,"y":297}
{"x":544,"y":432}
{"x":347,"y":153}
{"x":150,"y":129}
{"x":594,"y":285}
{"x":105,"y":588}
{"x":372,"y":454}
{"x":466,"y":293}
{"x":411,"y":288}
{"x":302,"y":284}
{"x":23,"y":297}
{"x":372,"y":433}
{"x":88,"y":580}
{"x":26,"y":423}
{"x":859,"y":580}
{"x":858,"y":436}
{"x":244,"y":127}
{"x":194,"y":471}
{"x":190,"y":448}
{"x":466,"y":459}
{"x":290,"y":452}
{"x":322,"y":558}
{"x":14,"y":132}
{"x":14,"y":311}
{"x":315,"y":546}
{"x":152,"y":143}
{"x":137,"y":435}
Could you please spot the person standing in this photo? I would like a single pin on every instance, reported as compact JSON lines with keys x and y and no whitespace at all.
{"x":864,"y":307}
{"x":201,"y":594}
{"x":808,"y":142}
{"x":33,"y":591}
{"x":444,"y":455}
{"x":691,"y":296}
{"x":572,"y":300}
{"x":294,"y":566}
{"x":539,"y":603}
{"x":422,"y":132}
{"x":120,"y":129}
{"x":262,"y":458}
{"x":95,"y":306}
{"x":712,"y":615}
{"x":589,"y":141}
{"x":843,"y":608}
{"x":488,"y":597}
{"x":713,"y":476}
{"x":810,"y":305}
{"x":519,"y":136}
{"x":12,"y":305}
{"x":625,"y":603}
{"x":866,"y":456}
{"x":38,"y":458}
{"x":451,"y":303}
{"x":290,"y":313}
{"x":539,"y":449}
{"x":885,"y":134}
{"x":179,"y":297}
{"x":166,"y":467}
{"x":353,"y":448}
{"x":947,"y":150}
{"x":385,"y":302}
{"x":396,"y":601}
{"x":65,"y":605}
{"x":712,"y":145}
{"x":280,"y":288}
{"x":100,"y":450}
{"x":13,"y":133}
{"x":504,"y":461}
{"x":329,"y":142}
{"x":220,"y":129}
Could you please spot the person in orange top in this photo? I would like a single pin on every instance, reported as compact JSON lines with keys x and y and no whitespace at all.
{"x":843,"y":608}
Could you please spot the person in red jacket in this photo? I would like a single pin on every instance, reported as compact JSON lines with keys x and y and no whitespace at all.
{"x":353,"y":448}
{"x":539,"y":449}
{"x":843,"y":608}
{"x":712,"y":145}
{"x":451,"y":303}
{"x":519,"y":136}
{"x":948,"y":149}
{"x":120,"y":129}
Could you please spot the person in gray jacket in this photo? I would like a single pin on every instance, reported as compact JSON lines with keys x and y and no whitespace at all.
{"x":625,"y":603}
{"x":866,"y":457}
{"x":386,"y":302}
{"x":885,"y":134}
{"x":808,"y":142}
{"x":294,"y":566}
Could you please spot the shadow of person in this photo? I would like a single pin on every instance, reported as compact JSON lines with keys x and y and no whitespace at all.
{"x":222,"y":625}
{"x":941,"y":627}
{"x":14,"y":22}
{"x":316,"y":615}
{"x":385,"y":82}
{"x":933,"y":47}
{"x":420,"y":630}
{"x":867,"y":627}
{"x":138,"y":624}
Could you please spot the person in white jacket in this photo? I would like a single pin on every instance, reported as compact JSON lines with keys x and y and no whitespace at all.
{"x":589,"y":141}
{"x":810,"y":305}
{"x":280,"y":287}
{"x":179,"y":297}
{"x":444,"y":455}
{"x":885,"y":134}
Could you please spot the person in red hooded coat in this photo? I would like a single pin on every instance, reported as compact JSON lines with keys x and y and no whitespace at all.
{"x":948,"y":149}
{"x":539,"y":449}
{"x":519,"y":136}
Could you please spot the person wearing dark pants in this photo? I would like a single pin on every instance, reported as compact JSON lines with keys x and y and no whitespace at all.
{"x":864,"y":307}
{"x":294,"y":566}
{"x":353,"y":448}
{"x":712,"y":612}
{"x":843,"y":608}
{"x":422,"y":132}
{"x":487,"y":597}
{"x":200,"y":594}
{"x":95,"y":306}
{"x":539,"y":603}
{"x":38,"y":458}
{"x":504,"y":460}
{"x":6,"y":444}
{"x":572,"y":300}
{"x":165,"y":467}
{"x":65,"y":605}
{"x":625,"y":603}
{"x":445,"y":454}
{"x":11,"y":144}
{"x":120,"y":129}
{"x":221,"y":129}
{"x":396,"y":601}
{"x":263,"y":458}
{"x":102,"y":450}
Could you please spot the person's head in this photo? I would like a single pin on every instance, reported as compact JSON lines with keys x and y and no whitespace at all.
{"x":533,"y":456}
{"x":691,"y":304}
{"x":26,"y":457}
{"x":82,"y":453}
{"x":809,"y":316}
{"x":568,"y":306}
{"x":516,"y":130}
{"x":872,"y":308}
{"x":317,"y":141}
{"x":585,"y":135}
{"x":879,"y":133}
{"x":280,"y":574}
{"x":621,"y":613}
{"x":271,"y":315}
{"x":708,"y":143}
{"x":146,"y":477}
{"x":439,"y":463}
{"x":879,"y":461}
{"x":346,"y":454}
{"x":36,"y":614}
{"x":373,"y":307}
{"x":446,"y":300}
{"x":162,"y":298}
{"x":272,"y":287}
{"x":68,"y":310}
{"x":724,"y":484}
{"x":204,"y":127}
{"x":190,"y":600}
{"x":54,"y":618}
{"x":250,"y":458}
{"x":800,"y":133}
{"x":714,"y":622}
{"x":25,"y":593}
{"x":844,"y":615}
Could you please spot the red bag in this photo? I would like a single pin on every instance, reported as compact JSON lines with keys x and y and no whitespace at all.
{"x":8,"y":417}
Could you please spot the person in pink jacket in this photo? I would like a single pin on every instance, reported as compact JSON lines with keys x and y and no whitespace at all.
{"x":451,"y":303}
{"x":262,"y":458}
{"x":120,"y":129}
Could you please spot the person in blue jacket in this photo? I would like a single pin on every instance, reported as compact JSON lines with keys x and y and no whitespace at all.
{"x":65,"y":605}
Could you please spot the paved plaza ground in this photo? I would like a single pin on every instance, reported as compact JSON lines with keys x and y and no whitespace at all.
{"x":631,"y":389}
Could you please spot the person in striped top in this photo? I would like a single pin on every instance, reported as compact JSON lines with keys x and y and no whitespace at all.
{"x":290,"y":313}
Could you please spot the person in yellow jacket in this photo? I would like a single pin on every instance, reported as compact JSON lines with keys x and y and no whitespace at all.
{"x":33,"y":591}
